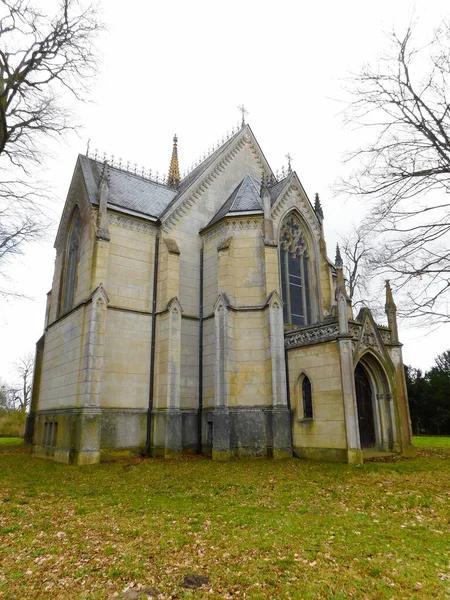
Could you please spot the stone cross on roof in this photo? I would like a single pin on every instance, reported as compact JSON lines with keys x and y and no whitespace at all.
{"x":243,"y":112}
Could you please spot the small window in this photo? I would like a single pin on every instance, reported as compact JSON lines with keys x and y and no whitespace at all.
{"x":307,"y":398}
{"x":50,"y":431}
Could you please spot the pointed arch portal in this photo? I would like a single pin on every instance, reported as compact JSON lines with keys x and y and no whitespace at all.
{"x":364,"y":395}
{"x":376,"y":411}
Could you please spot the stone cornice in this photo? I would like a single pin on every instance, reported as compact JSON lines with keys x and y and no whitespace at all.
{"x":131,"y":223}
{"x":231,"y":225}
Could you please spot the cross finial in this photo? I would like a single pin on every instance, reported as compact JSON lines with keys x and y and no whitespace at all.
{"x":243,"y":112}
{"x":289,"y":158}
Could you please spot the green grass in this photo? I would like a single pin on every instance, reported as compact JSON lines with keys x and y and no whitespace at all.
{"x":256,"y":529}
{"x":11,"y":441}
{"x":428,"y":441}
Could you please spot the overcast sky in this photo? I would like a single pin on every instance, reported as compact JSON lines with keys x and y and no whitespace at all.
{"x":183,"y":67}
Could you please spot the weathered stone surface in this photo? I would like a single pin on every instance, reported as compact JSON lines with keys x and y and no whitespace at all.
{"x":96,"y":362}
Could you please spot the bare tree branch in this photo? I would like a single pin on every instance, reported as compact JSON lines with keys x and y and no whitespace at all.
{"x":405,"y":171}
{"x":41,"y":59}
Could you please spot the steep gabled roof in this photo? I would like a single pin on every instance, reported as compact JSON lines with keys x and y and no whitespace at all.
{"x":245,"y":198}
{"x":127,"y":191}
{"x":276,"y":189}
{"x":134,"y":194}
{"x":194,"y":176}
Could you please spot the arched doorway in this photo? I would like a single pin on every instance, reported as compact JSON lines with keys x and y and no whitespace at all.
{"x":364,"y":402}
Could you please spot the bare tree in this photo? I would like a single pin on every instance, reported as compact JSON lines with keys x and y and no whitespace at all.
{"x":8,"y":396}
{"x":357,"y":251}
{"x":24,"y":368}
{"x":41,"y":59}
{"x":405,"y":170}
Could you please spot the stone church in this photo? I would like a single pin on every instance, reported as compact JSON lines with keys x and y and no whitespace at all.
{"x":202,"y":314}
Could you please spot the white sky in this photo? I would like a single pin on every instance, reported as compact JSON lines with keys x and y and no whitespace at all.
{"x":183,"y":67}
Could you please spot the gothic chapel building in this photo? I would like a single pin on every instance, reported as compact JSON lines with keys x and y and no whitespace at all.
{"x":203,"y":314}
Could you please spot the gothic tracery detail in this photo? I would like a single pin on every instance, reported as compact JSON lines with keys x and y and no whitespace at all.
{"x":291,"y":237}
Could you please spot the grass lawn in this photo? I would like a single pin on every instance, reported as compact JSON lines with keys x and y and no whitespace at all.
{"x":10,"y":441}
{"x":431,"y":441}
{"x":256,"y":529}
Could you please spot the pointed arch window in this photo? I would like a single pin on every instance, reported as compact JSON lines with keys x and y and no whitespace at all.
{"x":307,"y":398}
{"x":71,"y":262}
{"x":295,"y":276}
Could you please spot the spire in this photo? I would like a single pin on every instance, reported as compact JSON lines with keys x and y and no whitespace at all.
{"x":173,"y":178}
{"x":103,"y":183}
{"x":318,"y":207}
{"x":390,"y":304}
{"x":338,"y":262}
{"x":391,"y":312}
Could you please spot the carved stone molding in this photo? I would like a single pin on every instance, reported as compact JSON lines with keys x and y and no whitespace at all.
{"x":205,"y":181}
{"x":301,"y":203}
{"x":130,"y":223}
{"x":228,"y":227}
{"x":313,"y":335}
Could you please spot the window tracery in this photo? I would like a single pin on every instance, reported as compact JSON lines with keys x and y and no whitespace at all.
{"x":294,"y":268}
{"x":71,"y":261}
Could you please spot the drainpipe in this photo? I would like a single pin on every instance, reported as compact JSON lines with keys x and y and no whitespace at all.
{"x":288,"y":399}
{"x":152,"y":350}
{"x":200,"y":359}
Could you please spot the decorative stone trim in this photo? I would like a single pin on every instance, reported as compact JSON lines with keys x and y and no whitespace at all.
{"x":225,"y":245}
{"x":171,"y":246}
{"x":327,"y":332}
{"x":180,"y":209}
{"x":230,"y":226}
{"x":130,"y":223}
{"x":312,"y":335}
{"x":301,"y":203}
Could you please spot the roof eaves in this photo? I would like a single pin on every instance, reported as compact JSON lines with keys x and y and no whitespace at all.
{"x":134,"y":213}
{"x":230,"y":215}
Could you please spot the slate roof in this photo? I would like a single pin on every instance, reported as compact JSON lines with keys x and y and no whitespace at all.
{"x":244,"y":198}
{"x":275,"y":190}
{"x":138,"y":195}
{"x":128,"y":191}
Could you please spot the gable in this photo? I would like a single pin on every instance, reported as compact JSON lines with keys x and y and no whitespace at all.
{"x":367,"y":337}
{"x":77,"y":195}
{"x":203,"y":177}
{"x":291,"y":195}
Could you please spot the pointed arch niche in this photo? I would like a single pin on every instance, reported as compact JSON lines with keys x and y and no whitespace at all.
{"x":295,"y":272}
{"x":71,"y":256}
{"x":376,"y":412}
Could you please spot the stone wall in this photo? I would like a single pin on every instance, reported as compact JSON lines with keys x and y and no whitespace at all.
{"x":325,"y":434}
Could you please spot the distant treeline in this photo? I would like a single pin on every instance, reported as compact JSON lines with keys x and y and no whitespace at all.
{"x":429,"y":397}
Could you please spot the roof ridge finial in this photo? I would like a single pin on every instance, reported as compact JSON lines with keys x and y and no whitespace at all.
{"x":338,"y":262}
{"x":173,"y":178}
{"x":243,"y":112}
{"x":318,"y":207}
{"x":289,"y":158}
